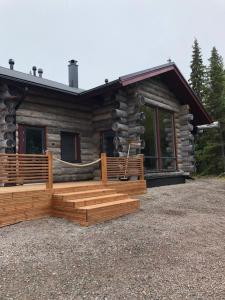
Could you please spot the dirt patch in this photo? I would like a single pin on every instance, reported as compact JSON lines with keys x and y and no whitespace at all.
{"x":173,"y":248}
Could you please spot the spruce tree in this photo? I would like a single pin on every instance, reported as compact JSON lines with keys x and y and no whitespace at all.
{"x":215,"y":99}
{"x":197,"y":77}
{"x":209,"y":145}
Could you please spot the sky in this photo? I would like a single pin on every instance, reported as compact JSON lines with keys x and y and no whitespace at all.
{"x":109,"y":38}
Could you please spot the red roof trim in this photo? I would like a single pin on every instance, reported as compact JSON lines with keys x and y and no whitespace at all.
{"x":126,"y":80}
{"x":195,"y":97}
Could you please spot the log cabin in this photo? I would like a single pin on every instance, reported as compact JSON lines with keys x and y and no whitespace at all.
{"x":56,"y":133}
{"x":155,"y":107}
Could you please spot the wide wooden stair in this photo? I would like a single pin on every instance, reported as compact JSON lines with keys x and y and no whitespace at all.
{"x":92,"y":204}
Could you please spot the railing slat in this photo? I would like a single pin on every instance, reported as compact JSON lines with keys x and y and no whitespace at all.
{"x":26,"y":168}
{"x":117,"y":167}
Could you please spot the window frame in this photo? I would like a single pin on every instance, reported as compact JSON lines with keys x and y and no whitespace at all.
{"x":22,"y":138}
{"x":159,"y":158}
{"x":77,"y":148}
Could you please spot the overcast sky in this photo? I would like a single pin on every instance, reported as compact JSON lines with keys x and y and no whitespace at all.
{"x":109,"y":38}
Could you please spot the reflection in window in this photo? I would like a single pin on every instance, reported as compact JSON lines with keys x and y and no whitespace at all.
{"x":150,"y":150}
{"x":159,"y":148}
{"x":166,"y":135}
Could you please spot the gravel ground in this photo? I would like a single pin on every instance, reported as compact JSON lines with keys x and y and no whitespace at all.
{"x":173,"y":248}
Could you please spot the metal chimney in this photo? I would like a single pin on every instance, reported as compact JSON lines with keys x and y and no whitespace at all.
{"x":34,"y":68}
{"x":40,"y":72}
{"x":73,"y":73}
{"x":11,"y":63}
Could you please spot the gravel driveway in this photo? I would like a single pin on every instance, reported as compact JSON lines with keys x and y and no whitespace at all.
{"x":173,"y":248}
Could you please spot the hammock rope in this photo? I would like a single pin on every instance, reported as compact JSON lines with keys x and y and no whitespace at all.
{"x":78,"y":165}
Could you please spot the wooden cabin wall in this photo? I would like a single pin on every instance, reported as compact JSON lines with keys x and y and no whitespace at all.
{"x":101,"y":121}
{"x":157,"y":94}
{"x":59,"y":116}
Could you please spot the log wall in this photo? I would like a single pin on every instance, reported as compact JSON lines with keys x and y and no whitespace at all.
{"x":57,"y":116}
{"x":157,"y":94}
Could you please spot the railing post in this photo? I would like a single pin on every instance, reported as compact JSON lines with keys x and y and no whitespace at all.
{"x":49,"y":184}
{"x":142,"y":177}
{"x":104,"y":168}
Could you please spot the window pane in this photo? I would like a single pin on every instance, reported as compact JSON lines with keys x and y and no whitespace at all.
{"x":69,"y":146}
{"x":34,"y":140}
{"x":166,"y":131}
{"x":150,"y":150}
{"x":107,"y":145}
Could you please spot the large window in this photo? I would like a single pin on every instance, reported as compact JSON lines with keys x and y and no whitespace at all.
{"x":159,"y":151}
{"x":70,"y":146}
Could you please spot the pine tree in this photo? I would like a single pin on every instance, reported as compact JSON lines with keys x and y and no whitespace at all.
{"x":215,"y":100}
{"x":209,"y":145}
{"x":197,"y":77}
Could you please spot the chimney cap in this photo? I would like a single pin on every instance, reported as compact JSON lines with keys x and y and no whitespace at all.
{"x":11,"y":63}
{"x":40,"y":72}
{"x":73,"y":61}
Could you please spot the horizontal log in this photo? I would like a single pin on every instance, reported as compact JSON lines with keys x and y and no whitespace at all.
{"x":137,"y":129}
{"x":101,"y":117}
{"x":160,"y":105}
{"x":59,"y":111}
{"x":117,"y":113}
{"x":121,"y":105}
{"x":160,"y":92}
{"x":160,"y":102}
{"x":119,"y":127}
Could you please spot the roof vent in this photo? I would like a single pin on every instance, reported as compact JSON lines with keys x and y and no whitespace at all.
{"x":34,"y":68}
{"x":11,"y":63}
{"x":106,"y":81}
{"x":40,"y":72}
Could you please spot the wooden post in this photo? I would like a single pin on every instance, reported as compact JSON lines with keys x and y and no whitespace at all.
{"x":104,"y":168}
{"x":142,"y":177}
{"x":49,"y":184}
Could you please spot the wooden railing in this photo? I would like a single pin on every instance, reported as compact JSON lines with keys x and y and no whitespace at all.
{"x":26,"y":168}
{"x":32,"y":168}
{"x":122,"y":167}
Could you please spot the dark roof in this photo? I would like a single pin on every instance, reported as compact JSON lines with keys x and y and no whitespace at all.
{"x":175,"y":81}
{"x":37,"y":81}
{"x":169,"y":73}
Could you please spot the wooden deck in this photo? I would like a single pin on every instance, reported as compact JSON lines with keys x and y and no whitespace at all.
{"x":85,"y":202}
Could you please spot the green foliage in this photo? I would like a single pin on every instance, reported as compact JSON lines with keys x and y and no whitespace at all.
{"x":198,"y":72}
{"x":209,"y":160}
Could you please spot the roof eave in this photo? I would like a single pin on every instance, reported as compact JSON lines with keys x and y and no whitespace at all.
{"x":27,"y":82}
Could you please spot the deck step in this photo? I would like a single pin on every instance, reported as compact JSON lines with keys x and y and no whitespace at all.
{"x":106,"y":211}
{"x":97,"y":200}
{"x":92,"y":204}
{"x":82,"y":194}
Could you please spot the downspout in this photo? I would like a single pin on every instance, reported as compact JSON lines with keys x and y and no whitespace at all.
{"x":21,"y":99}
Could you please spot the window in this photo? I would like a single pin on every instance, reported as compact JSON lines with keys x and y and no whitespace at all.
{"x":159,"y":140}
{"x":107,"y":145}
{"x":31,"y":139}
{"x":70,"y":146}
